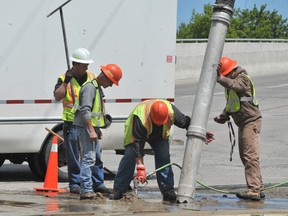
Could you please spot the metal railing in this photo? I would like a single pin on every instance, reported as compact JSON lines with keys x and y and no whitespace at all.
{"x":238,"y":40}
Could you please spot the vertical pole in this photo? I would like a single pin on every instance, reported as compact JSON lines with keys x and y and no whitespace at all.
{"x":196,"y":134}
{"x":63,"y":30}
{"x":65,"y":39}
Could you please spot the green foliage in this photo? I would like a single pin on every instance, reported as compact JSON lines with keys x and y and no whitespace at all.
{"x":255,"y":23}
{"x":199,"y":25}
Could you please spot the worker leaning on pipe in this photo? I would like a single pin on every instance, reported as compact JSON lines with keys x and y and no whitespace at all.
{"x":243,"y":107}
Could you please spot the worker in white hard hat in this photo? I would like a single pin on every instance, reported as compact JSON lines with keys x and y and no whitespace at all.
{"x":67,"y":89}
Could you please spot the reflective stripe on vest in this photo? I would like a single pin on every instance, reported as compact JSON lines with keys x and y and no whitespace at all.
{"x":97,"y":115}
{"x":67,"y":101}
{"x":142,"y":110}
{"x":98,"y":110}
{"x":233,"y":101}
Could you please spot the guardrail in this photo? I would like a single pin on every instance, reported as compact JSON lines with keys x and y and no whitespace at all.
{"x":241,"y":40}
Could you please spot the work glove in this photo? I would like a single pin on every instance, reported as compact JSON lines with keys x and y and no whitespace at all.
{"x":219,"y":69}
{"x":209,"y":137}
{"x":68,"y":76}
{"x":99,"y":133}
{"x":141,"y":173}
{"x":108,"y":120}
{"x":222,"y":118}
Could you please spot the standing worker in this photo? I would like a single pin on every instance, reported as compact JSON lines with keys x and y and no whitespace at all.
{"x":150,"y":121}
{"x":90,"y":116}
{"x":67,"y":89}
{"x":243,"y":107}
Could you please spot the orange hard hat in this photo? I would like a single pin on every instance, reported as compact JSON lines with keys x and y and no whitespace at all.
{"x":227,"y":65}
{"x":159,"y":113}
{"x":113,"y":72}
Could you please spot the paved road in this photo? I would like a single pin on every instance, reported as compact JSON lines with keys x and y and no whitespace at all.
{"x":215,"y":168}
{"x":17,"y":183}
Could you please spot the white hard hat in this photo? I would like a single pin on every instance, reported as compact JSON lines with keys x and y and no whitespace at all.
{"x":81,"y":55}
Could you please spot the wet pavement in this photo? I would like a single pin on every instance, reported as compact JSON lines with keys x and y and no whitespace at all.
{"x":148,"y":201}
{"x":17,"y":196}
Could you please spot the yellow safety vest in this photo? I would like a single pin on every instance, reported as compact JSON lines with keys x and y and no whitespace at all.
{"x":98,"y":109}
{"x":142,"y":110}
{"x":71,"y":96}
{"x":233,"y":103}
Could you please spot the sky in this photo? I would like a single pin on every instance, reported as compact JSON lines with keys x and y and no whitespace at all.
{"x":185,"y":7}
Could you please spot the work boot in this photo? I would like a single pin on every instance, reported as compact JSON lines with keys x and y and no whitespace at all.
{"x":169,"y":196}
{"x":104,"y":190}
{"x":87,"y":195}
{"x":246,"y":195}
{"x":117,"y":194}
{"x":262,"y":195}
{"x":75,"y":190}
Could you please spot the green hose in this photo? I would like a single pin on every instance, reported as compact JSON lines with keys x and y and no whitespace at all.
{"x":211,"y":188}
{"x":217,"y":190}
{"x":276,"y":185}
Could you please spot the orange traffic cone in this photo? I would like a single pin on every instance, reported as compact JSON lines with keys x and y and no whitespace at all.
{"x":51,"y":177}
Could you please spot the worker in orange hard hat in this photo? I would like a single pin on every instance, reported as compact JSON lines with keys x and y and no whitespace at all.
{"x":159,"y":113}
{"x":150,"y":121}
{"x":227,"y":65}
{"x":243,"y":107}
{"x":113,"y":72}
{"x":90,"y":117}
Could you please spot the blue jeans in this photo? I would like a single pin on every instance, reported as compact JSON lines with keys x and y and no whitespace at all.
{"x":165,"y":177}
{"x":72,"y":154}
{"x":91,"y":172}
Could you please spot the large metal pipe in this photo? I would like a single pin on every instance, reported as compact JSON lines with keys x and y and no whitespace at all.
{"x":220,"y":21}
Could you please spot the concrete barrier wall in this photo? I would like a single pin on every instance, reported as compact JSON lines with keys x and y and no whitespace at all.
{"x":256,"y":58}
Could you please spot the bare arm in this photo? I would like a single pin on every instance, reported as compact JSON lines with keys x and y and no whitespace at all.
{"x":91,"y":130}
{"x":60,"y":92}
{"x":60,"y":88}
{"x":139,"y":160}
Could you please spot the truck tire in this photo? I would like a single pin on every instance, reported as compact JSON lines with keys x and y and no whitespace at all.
{"x":2,"y":159}
{"x":62,"y":162}
{"x":35,"y":167}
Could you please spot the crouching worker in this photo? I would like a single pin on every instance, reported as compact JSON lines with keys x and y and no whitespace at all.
{"x":150,"y":121}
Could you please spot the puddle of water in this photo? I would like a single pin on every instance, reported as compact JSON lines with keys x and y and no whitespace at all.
{"x":210,"y":202}
{"x":147,"y":201}
{"x":231,"y":202}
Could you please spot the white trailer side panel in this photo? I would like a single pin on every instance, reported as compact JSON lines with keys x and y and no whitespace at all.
{"x":139,"y":36}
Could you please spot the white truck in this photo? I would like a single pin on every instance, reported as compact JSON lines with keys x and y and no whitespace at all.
{"x":139,"y":36}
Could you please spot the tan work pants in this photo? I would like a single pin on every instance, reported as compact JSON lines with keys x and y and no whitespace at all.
{"x":249,"y":149}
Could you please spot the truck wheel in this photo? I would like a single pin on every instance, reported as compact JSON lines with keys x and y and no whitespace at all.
{"x":35,"y":166}
{"x":2,"y":159}
{"x":62,"y":162}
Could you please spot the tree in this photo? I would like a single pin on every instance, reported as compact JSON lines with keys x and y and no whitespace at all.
{"x":199,"y":25}
{"x":244,"y":24}
{"x":257,"y":24}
